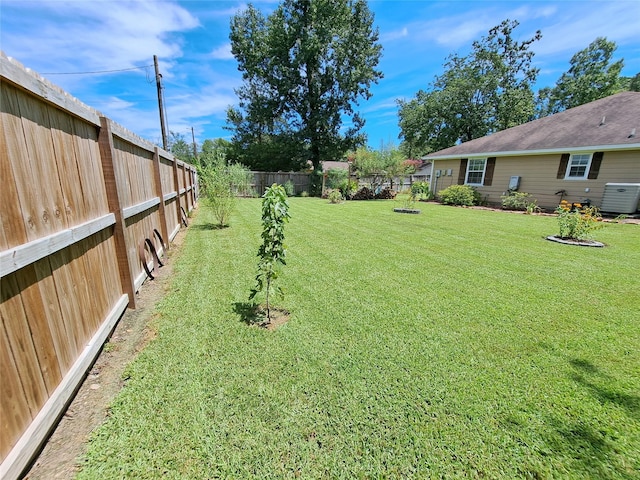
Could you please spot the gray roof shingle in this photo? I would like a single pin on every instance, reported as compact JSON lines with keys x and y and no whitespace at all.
{"x":580,"y":127}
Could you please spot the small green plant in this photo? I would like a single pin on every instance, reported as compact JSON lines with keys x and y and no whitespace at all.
{"x":577,"y":222}
{"x":289,"y":188}
{"x":348,"y":187}
{"x":532,"y":207}
{"x":459,"y":195}
{"x":420,"y":190}
{"x":275,"y":213}
{"x":516,"y":201}
{"x":409,"y":199}
{"x":304,"y":194}
{"x":334,"y":196}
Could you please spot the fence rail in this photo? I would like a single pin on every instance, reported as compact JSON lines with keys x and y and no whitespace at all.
{"x":87,"y":210}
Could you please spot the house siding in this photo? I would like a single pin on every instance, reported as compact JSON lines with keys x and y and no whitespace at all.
{"x":538,"y":177}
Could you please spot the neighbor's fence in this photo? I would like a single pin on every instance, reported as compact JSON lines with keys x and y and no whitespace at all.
{"x":86,"y":209}
{"x":263,"y":180}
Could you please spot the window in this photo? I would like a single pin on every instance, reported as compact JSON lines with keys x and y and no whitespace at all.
{"x":475,"y":171}
{"x":578,"y":166}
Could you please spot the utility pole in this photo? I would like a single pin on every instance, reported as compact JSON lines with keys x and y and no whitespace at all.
{"x":163,"y":127}
{"x":195,"y":149}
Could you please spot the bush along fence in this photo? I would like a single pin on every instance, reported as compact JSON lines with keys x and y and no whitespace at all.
{"x":87,"y":209}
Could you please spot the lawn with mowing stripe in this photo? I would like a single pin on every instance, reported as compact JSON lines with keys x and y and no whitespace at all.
{"x":454,"y":343}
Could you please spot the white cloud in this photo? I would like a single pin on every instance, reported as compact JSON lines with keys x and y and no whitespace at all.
{"x":223,"y":52}
{"x":574,"y":30}
{"x":94,"y":35}
{"x":394,"y":35}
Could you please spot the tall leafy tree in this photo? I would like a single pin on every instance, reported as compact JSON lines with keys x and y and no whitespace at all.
{"x":486,"y":91}
{"x":592,"y":76}
{"x":214,"y":152}
{"x":305,"y":68}
{"x":634,"y":83}
{"x":180,"y":148}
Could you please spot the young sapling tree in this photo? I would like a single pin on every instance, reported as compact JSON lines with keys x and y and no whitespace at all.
{"x":275,"y":213}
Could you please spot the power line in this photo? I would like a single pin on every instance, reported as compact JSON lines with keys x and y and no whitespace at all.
{"x":96,"y":72}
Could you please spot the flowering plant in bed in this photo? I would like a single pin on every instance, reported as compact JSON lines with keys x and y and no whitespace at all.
{"x":577,"y":222}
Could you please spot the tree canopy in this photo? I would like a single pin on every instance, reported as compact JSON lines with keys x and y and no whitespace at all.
{"x":305,"y":67}
{"x":486,"y":91}
{"x":591,"y":76}
{"x":180,"y":148}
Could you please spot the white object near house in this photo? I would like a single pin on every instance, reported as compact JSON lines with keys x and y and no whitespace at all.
{"x":621,"y":197}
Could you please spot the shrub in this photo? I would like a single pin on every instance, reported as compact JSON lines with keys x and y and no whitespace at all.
{"x":459,"y":195}
{"x":304,"y":194}
{"x":515,"y":201}
{"x":577,"y":222}
{"x":420,"y":190}
{"x":334,"y":196}
{"x":335,"y":177}
{"x":218,"y":187}
{"x":348,"y":187}
{"x":289,"y":188}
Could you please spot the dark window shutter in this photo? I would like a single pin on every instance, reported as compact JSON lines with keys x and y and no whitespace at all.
{"x":562,"y":169}
{"x":596,"y":161}
{"x":488,"y":171}
{"x":463,"y":171}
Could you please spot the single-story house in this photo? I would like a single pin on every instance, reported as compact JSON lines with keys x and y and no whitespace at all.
{"x":573,"y":154}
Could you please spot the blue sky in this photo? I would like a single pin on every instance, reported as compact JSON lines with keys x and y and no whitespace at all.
{"x":191,"y":41}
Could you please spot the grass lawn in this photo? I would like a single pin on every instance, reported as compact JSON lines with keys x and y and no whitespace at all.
{"x":454,"y":343}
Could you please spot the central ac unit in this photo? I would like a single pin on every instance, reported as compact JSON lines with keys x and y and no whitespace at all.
{"x":620,"y":197}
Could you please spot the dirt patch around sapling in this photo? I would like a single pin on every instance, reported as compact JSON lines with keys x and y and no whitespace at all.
{"x":256,"y":315}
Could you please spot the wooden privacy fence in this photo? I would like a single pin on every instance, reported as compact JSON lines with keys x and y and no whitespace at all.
{"x":263,"y":180}
{"x":86,"y":209}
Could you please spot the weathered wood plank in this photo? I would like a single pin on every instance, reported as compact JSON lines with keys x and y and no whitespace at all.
{"x":16,"y":415}
{"x":49,"y":210}
{"x":23,"y":255}
{"x":89,"y":165}
{"x":169,"y":196}
{"x":14,"y":72}
{"x":141,"y":207}
{"x":65,"y":159}
{"x":15,"y":320}
{"x":44,"y":319}
{"x":38,"y":431}
{"x":24,"y":226}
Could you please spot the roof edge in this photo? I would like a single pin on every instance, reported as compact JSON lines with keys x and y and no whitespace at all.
{"x":545,"y":151}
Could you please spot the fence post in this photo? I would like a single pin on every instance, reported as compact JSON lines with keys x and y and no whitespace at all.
{"x":158,"y":184}
{"x":105,"y":143}
{"x":176,"y":186}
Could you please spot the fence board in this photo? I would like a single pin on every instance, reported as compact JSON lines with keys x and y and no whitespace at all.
{"x":38,"y":296}
{"x":66,"y":272}
{"x":19,"y":226}
{"x":92,"y":181}
{"x":12,"y":229}
{"x":15,"y":416}
{"x":65,"y":155}
{"x":44,"y":174}
{"x":15,"y":321}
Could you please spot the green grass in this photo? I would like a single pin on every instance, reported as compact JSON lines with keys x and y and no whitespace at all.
{"x":453,"y":344}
